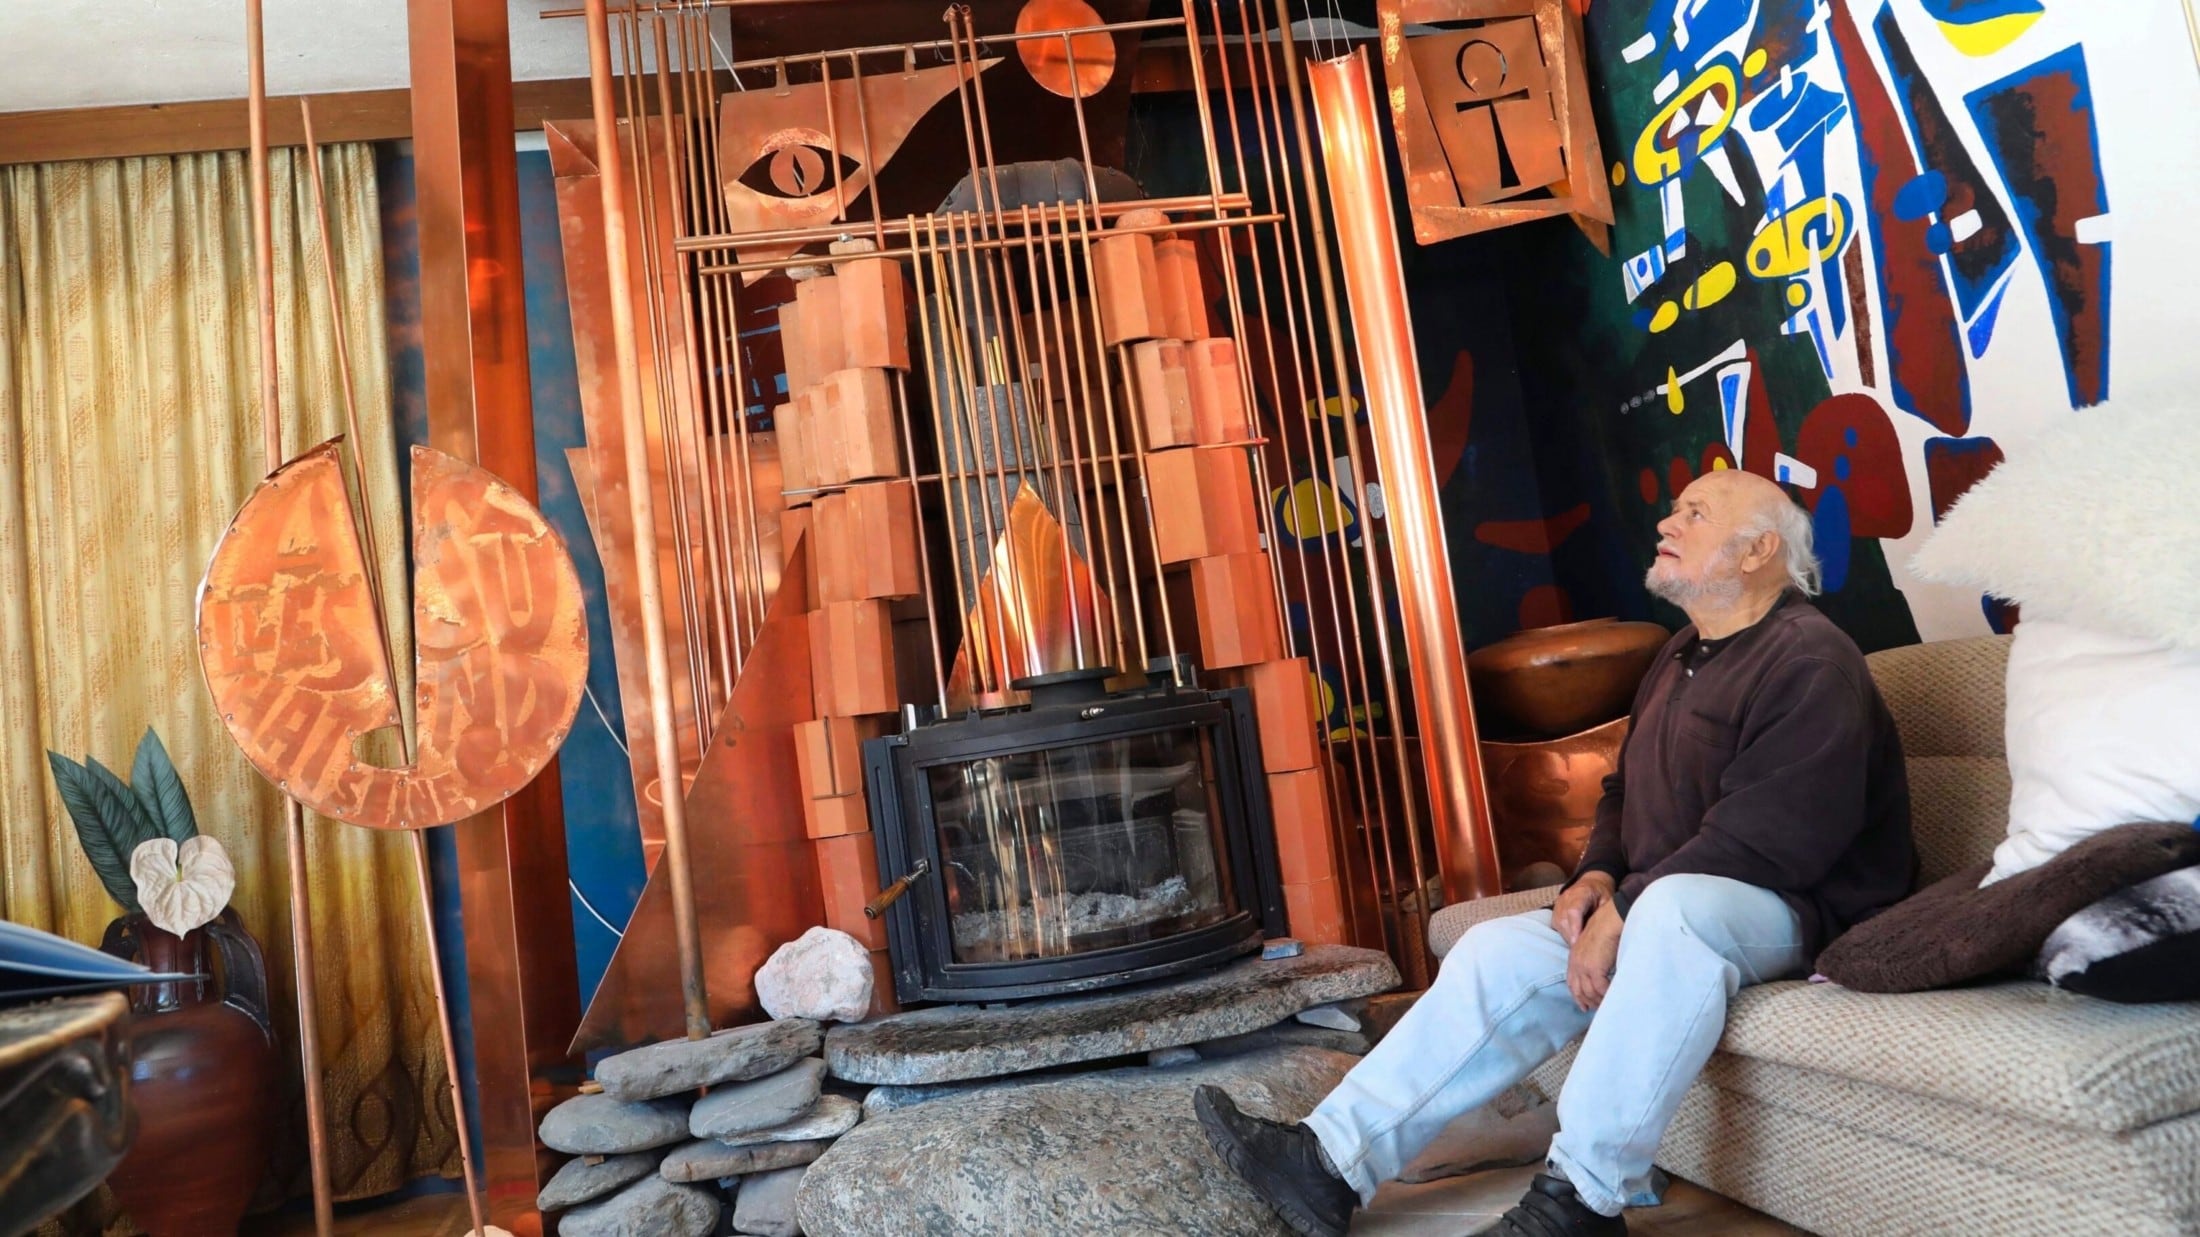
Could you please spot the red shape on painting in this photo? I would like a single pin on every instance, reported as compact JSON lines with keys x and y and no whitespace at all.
{"x":1648,"y":484}
{"x":1924,"y":344}
{"x":1677,"y":475}
{"x":1451,"y":417}
{"x":1954,"y":465}
{"x":1853,"y":446}
{"x":1545,"y":605}
{"x":1532,"y":536}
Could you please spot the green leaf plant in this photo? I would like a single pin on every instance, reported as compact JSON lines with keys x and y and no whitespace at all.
{"x":113,"y":817}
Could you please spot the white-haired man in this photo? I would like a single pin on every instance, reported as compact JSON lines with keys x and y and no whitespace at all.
{"x":1759,"y":809}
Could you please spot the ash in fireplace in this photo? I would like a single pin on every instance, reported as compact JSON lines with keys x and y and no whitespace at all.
{"x":1069,"y":922}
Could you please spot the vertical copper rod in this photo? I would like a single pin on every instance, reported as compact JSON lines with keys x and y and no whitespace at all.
{"x":1099,"y":545}
{"x":1306,"y":371}
{"x":939,"y":379}
{"x":1061,"y":491}
{"x":1318,"y":227}
{"x":689,"y":378}
{"x":294,"y":821}
{"x":1368,"y":241}
{"x":954,"y":360}
{"x":976,"y":377}
{"x":644,"y":510}
{"x":443,"y":1026}
{"x":924,"y":552}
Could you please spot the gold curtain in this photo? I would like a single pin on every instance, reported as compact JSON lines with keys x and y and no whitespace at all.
{"x":129,"y":436}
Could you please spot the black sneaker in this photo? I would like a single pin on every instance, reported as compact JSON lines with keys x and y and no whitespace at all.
{"x":1283,"y":1164}
{"x":1552,"y":1209}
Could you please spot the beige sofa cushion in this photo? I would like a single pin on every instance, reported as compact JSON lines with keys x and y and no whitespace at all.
{"x":2024,"y":1049}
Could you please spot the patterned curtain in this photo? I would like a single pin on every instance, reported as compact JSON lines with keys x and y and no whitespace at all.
{"x":129,"y":436}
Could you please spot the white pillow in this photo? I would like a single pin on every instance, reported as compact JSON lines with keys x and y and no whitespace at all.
{"x":2103,"y":730}
{"x":2089,"y":523}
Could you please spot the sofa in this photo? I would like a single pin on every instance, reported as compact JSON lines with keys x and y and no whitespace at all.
{"x":2007,"y":1108}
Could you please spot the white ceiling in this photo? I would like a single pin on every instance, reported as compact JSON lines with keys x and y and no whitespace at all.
{"x":88,"y":53}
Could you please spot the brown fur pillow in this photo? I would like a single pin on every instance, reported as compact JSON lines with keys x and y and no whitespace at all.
{"x":1954,"y":932}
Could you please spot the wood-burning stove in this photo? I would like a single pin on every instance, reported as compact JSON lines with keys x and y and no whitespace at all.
{"x":1087,"y":841}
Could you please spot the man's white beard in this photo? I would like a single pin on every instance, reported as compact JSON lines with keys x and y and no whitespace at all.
{"x":1719,"y":587}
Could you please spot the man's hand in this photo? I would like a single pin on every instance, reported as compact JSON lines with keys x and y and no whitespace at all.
{"x":1579,"y":902}
{"x":1594,"y":956}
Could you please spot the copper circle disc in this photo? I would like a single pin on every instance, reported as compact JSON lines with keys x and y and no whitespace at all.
{"x":1048,"y":61}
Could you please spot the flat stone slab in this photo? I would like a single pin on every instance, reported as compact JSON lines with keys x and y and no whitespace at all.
{"x":736,"y":1054}
{"x":760,"y":1103}
{"x":1114,"y":1151}
{"x":601,"y":1125}
{"x":765,"y":1205}
{"x":651,"y":1207}
{"x":580,"y":1181}
{"x":708,"y":1159}
{"x":833,"y":1116}
{"x":952,"y":1043}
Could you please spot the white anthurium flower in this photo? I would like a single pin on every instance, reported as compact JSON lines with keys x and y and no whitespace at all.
{"x":182,"y":887}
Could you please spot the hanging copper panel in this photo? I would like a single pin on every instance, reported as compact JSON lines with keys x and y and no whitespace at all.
{"x":298,"y":668}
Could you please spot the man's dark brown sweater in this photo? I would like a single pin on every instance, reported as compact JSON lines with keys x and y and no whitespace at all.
{"x":1769,"y":758}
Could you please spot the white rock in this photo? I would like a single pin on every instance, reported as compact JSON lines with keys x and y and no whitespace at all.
{"x":1163,"y":1058}
{"x":1334,"y":1017}
{"x":824,"y":974}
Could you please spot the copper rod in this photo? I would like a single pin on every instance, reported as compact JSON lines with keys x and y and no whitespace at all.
{"x":1306,"y":374}
{"x":1094,"y":518}
{"x":1368,"y":242}
{"x":645,"y":200}
{"x":954,"y":345}
{"x":1318,"y":228}
{"x":644,"y":511}
{"x":834,"y":232}
{"x":863,"y":127}
{"x":443,"y":1026}
{"x":294,"y":823}
{"x":940,"y":380}
{"x":1008,"y":314}
{"x":709,"y":592}
{"x":924,"y":552}
{"x":984,"y":381}
{"x":934,"y":478}
{"x":874,"y":49}
{"x":1061,"y":490}
{"x":1106,"y":411}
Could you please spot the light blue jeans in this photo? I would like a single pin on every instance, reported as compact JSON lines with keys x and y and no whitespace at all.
{"x":1500,"y":1007}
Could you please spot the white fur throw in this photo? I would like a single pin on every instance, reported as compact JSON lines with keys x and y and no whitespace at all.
{"x":2090,"y":523}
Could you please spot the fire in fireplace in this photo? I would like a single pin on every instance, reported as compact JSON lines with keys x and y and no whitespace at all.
{"x":1085,"y":842}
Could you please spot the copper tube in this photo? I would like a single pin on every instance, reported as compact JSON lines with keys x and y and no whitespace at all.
{"x":874,"y":49}
{"x":838,"y":231}
{"x":831,"y":259}
{"x":939,"y":379}
{"x":294,"y":821}
{"x":686,"y":938}
{"x":443,"y":1025}
{"x":1368,"y":242}
{"x":977,"y":377}
{"x":924,"y":551}
{"x":1045,"y":403}
{"x":1100,"y":548}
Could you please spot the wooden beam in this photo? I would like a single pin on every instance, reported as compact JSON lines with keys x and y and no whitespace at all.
{"x":219,"y":124}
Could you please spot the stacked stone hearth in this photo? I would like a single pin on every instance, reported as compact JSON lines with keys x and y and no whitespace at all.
{"x":1071,"y":1114}
{"x":684,"y":1132}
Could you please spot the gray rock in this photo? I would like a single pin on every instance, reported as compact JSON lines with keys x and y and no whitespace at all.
{"x":651,"y":1207}
{"x":823,"y":974}
{"x":833,"y":1116}
{"x":733,"y":1055}
{"x":766,"y":1203}
{"x":883,"y":1100}
{"x":601,"y":1125}
{"x":1114,"y":1151}
{"x":951,"y":1043}
{"x":1286,"y":1034}
{"x":710,"y":1160}
{"x":1166,"y":1058}
{"x":579,"y":1181}
{"x":1342,"y":1017}
{"x":758,"y":1105}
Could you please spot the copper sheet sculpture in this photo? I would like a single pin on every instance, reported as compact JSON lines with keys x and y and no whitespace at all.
{"x":1492,"y":115}
{"x":1030,"y":465}
{"x":1544,"y":797}
{"x":1359,"y":190}
{"x":295,"y":660}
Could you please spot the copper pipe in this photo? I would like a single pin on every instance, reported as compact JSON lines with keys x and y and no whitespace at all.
{"x":1094,"y":520}
{"x":1368,"y":242}
{"x":443,"y":1025}
{"x":940,"y":380}
{"x":839,"y":231}
{"x":874,"y":49}
{"x":1061,"y":490}
{"x":644,"y":509}
{"x":924,"y":551}
{"x":294,"y":820}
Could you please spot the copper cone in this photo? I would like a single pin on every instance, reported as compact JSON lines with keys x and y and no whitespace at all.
{"x":1037,"y":612}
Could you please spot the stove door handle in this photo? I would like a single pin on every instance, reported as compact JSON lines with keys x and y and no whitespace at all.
{"x":892,"y":893}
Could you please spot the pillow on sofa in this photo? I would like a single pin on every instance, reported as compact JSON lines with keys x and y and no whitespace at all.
{"x":2088,"y":523}
{"x":2101,"y":730}
{"x":2137,"y":944}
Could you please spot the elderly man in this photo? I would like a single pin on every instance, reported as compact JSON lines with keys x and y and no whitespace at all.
{"x":1759,"y":809}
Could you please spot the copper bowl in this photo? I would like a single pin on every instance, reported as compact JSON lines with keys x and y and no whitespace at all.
{"x":1552,"y":681}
